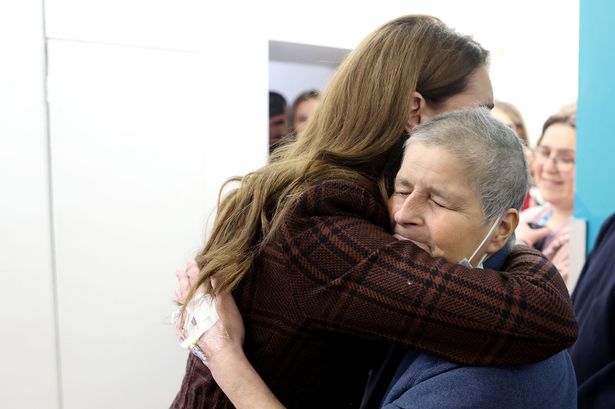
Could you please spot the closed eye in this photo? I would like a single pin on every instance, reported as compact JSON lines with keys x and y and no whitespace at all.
{"x":438,"y":203}
{"x":402,"y":193}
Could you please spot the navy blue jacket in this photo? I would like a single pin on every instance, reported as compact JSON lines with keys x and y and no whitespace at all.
{"x":593,"y":355}
{"x":424,"y":381}
{"x":428,"y":382}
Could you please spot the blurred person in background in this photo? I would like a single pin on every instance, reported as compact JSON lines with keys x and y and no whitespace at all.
{"x":593,"y":355}
{"x":508,"y":114}
{"x":278,"y":119}
{"x":303,"y":108}
{"x":547,"y":227}
{"x":511,"y":116}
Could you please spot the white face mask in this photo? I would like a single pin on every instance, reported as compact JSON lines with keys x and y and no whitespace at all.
{"x":466,"y":261}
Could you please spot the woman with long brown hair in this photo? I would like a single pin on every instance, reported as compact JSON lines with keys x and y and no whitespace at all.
{"x":305,"y":245}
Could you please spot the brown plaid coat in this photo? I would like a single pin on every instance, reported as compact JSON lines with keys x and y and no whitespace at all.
{"x":334,"y":287}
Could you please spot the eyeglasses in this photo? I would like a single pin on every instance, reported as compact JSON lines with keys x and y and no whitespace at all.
{"x":563,"y":159}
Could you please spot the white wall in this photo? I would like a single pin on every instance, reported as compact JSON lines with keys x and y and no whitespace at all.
{"x":141,"y":107}
{"x":28,"y":367}
{"x":152,"y":105}
{"x":129,"y":203}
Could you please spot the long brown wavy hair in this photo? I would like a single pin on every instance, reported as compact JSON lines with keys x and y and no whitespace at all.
{"x":356,"y":134}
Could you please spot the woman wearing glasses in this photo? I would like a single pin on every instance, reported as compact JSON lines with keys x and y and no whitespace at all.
{"x":547,"y":227}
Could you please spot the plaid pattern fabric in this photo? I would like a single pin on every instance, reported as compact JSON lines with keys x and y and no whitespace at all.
{"x":333,"y":287}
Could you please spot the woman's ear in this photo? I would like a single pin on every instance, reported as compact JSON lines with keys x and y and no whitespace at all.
{"x":417,"y":110}
{"x":503,"y":231}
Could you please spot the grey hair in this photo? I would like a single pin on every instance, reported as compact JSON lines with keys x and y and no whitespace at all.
{"x":491,"y":152}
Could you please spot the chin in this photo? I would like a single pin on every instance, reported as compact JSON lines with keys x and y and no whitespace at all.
{"x":551,"y":198}
{"x":556,"y":201}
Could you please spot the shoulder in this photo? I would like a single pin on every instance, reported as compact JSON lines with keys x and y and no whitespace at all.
{"x":342,"y":198}
{"x":594,"y":294}
{"x":607,"y":231}
{"x":335,"y":220}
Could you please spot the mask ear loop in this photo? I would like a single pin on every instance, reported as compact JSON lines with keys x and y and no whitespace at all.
{"x":487,"y":236}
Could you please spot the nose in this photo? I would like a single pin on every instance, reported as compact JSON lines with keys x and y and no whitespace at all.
{"x":410,"y":212}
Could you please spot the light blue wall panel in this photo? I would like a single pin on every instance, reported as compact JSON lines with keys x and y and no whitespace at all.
{"x":595,"y":179}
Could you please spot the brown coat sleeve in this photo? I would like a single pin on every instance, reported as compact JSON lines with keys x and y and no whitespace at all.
{"x":354,"y":277}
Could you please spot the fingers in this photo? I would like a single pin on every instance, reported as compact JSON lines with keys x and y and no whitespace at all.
{"x":541,"y":233}
{"x":186,"y":278}
{"x":526,"y":233}
{"x":182,"y":334}
{"x":178,"y":320}
{"x":183,"y":285}
{"x":192,"y":271}
{"x":538,"y":234}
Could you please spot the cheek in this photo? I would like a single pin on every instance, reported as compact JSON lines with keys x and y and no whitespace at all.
{"x":537,"y":168}
{"x":570,"y":181}
{"x":449,"y":234}
{"x":391,"y":207}
{"x":441,"y":230}
{"x":443,"y":245}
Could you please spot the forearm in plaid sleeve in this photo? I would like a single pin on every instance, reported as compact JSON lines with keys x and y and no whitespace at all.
{"x":354,"y":277}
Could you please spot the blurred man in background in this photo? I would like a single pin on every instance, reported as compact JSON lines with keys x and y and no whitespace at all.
{"x":278,"y":119}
